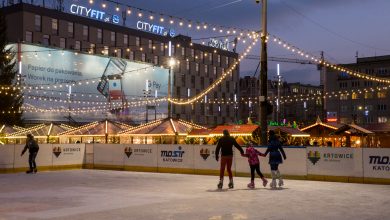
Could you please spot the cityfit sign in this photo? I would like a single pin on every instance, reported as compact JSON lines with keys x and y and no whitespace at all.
{"x":219,"y":44}
{"x":155,"y":29}
{"x":94,"y":14}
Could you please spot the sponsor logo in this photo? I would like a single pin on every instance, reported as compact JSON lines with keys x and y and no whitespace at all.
{"x":314,"y":157}
{"x":57,"y":151}
{"x":380,"y":162}
{"x":155,"y":29}
{"x":204,"y":153}
{"x":128,"y":151}
{"x":93,"y":13}
{"x":173,"y":156}
{"x":336,"y":157}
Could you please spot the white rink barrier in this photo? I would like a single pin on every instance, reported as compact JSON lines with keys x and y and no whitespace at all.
{"x":50,"y":156}
{"x":371,"y":165}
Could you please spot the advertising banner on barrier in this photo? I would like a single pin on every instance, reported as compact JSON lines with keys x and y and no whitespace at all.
{"x":144,"y":155}
{"x":334,"y":161}
{"x":204,"y":157}
{"x":108,"y":154}
{"x":175,"y":156}
{"x":294,"y":165}
{"x":68,"y":154}
{"x":7,"y":156}
{"x":44,"y":157}
{"x":376,"y":162}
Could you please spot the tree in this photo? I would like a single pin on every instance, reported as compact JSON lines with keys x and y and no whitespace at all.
{"x":11,"y":99}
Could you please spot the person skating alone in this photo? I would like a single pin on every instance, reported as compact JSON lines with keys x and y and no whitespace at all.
{"x":275,"y":151}
{"x":253,"y":159}
{"x":225,"y":145}
{"x":33,"y":149}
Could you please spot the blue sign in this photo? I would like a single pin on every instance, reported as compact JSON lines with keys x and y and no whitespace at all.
{"x":155,"y":29}
{"x":94,"y":14}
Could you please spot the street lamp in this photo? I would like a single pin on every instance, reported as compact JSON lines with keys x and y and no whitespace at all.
{"x":172,"y":63}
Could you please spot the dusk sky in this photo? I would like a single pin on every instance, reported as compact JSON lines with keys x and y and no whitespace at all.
{"x":337,"y":27}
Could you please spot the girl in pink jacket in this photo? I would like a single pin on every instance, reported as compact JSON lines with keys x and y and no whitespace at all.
{"x":253,"y":158}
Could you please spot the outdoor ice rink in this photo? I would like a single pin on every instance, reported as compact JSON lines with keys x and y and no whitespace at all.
{"x":98,"y":194}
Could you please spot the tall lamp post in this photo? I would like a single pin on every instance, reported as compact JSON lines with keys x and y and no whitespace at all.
{"x":263,"y":74}
{"x":172,"y":63}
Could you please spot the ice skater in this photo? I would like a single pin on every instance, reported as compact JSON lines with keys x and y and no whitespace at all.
{"x":33,"y":149}
{"x":225,"y":144}
{"x":253,"y":159}
{"x":275,"y":151}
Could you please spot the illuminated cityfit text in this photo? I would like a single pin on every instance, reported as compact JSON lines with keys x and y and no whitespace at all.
{"x":92,"y":13}
{"x":155,"y":29}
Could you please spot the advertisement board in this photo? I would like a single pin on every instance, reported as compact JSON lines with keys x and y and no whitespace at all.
{"x":140,"y":155}
{"x":376,"y":163}
{"x":345,"y":162}
{"x":68,"y":154}
{"x":94,"y":81}
{"x":204,"y":157}
{"x":175,"y":156}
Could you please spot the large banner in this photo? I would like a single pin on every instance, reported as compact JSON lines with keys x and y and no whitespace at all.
{"x":144,"y":155}
{"x":334,"y":161}
{"x":47,"y":73}
{"x":175,"y":156}
{"x":376,"y":162}
{"x":68,"y":154}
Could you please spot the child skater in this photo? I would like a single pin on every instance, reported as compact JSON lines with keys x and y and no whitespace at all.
{"x":275,"y":158}
{"x":252,"y":154}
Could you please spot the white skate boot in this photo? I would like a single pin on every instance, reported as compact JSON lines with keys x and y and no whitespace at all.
{"x":279,"y":176}
{"x":273,"y":183}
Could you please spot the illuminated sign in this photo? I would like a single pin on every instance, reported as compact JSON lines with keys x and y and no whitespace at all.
{"x":155,"y":29}
{"x":219,"y":44}
{"x":94,"y":14}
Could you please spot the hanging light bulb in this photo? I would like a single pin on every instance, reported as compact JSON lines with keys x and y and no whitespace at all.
{"x":104,"y":5}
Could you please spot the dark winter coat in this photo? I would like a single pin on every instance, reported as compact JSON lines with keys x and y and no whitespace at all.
{"x":31,"y":145}
{"x":225,"y":144}
{"x":275,"y":151}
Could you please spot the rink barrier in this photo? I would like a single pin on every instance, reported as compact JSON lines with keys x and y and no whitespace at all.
{"x":354,"y":165}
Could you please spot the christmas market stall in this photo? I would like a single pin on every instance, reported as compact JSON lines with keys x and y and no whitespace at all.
{"x":6,"y":130}
{"x":290,"y":136}
{"x":43,"y":133}
{"x":105,"y":131}
{"x":199,"y":136}
{"x":162,"y":131}
{"x":382,"y":134}
{"x":242,"y":133}
{"x":355,"y":136}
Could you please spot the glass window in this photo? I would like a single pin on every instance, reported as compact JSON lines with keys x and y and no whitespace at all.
{"x":197,"y":67}
{"x":188,"y":65}
{"x":29,"y":36}
{"x":382,"y":119}
{"x":85,"y":31}
{"x":355,"y":95}
{"x":162,"y":47}
{"x":92,"y":48}
{"x":54,"y":25}
{"x":113,"y":36}
{"x":118,"y":53}
{"x":143,"y":58}
{"x":77,"y":45}
{"x":155,"y":60}
{"x":131,"y":55}
{"x":38,"y":22}
{"x":150,"y":44}
{"x":105,"y":50}
{"x":99,"y":35}
{"x":46,"y":40}
{"x":137,"y":41}
{"x":183,"y":51}
{"x":70,"y":28}
{"x":192,"y":53}
{"x":62,"y":42}
{"x":381,"y":95}
{"x":125,"y":39}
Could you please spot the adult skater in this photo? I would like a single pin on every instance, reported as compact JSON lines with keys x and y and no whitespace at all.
{"x":275,"y":158}
{"x":225,"y":144}
{"x":33,"y":149}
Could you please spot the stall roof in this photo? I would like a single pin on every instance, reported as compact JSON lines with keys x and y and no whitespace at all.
{"x":199,"y":133}
{"x":234,"y":130}
{"x":41,"y":130}
{"x":97,"y":128}
{"x":167,"y":126}
{"x":293,"y":132}
{"x":331,"y":125}
{"x":378,"y":128}
{"x":7,"y":129}
{"x":353,"y":129}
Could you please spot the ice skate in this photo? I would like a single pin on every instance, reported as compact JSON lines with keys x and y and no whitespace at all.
{"x":231,"y":185}
{"x":29,"y":171}
{"x":35,"y":170}
{"x":279,"y":176}
{"x":281,"y":183}
{"x":220,"y":184}
{"x":265,"y":182}
{"x":273,"y":183}
{"x":251,"y":185}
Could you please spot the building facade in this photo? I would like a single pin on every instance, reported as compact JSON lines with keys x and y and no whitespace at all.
{"x":362,"y":101}
{"x":196,"y":68}
{"x":285,"y":110}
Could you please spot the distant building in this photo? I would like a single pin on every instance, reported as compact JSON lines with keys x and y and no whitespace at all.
{"x":362,"y":101}
{"x":302,"y":112}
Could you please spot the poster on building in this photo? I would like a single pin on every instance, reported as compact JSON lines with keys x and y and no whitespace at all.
{"x":334,"y":161}
{"x":376,"y":162}
{"x":204,"y":157}
{"x":175,"y":156}
{"x":68,"y":154}
{"x":144,"y":155}
{"x":57,"y":81}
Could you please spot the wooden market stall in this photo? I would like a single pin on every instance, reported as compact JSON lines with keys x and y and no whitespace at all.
{"x":382,"y":134}
{"x":43,"y":133}
{"x":6,"y":130}
{"x":242,"y":133}
{"x":290,"y":136}
{"x":105,"y":131}
{"x":355,"y":136}
{"x":199,"y":136}
{"x":162,"y":131}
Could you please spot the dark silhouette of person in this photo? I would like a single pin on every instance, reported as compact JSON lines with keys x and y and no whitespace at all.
{"x":275,"y":151}
{"x":33,"y":149}
{"x":225,"y":144}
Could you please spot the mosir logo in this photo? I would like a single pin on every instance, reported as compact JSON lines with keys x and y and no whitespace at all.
{"x":92,"y":13}
{"x":173,"y":156}
{"x":380,"y":162}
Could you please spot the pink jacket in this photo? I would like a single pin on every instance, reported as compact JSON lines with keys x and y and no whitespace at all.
{"x":252,"y":155}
